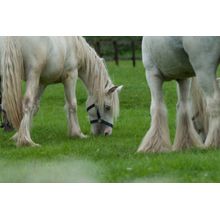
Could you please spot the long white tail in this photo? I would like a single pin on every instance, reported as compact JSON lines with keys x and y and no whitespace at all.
{"x":12,"y":71}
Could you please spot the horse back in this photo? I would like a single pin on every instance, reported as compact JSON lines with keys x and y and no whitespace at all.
{"x":51,"y":57}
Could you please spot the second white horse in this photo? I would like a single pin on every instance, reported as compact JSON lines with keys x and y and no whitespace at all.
{"x":179,"y":58}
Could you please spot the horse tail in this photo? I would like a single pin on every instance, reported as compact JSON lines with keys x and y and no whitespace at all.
{"x":198,"y":104}
{"x":12,"y":71}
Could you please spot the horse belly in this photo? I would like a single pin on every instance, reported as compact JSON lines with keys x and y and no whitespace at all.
{"x":175,"y":69}
{"x":50,"y":77}
{"x":53,"y":73}
{"x":57,"y":65}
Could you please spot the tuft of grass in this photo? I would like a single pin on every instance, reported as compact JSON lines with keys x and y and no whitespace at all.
{"x":104,"y":159}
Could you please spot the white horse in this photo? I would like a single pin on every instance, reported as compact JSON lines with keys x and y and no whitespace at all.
{"x":179,"y":58}
{"x":41,"y":61}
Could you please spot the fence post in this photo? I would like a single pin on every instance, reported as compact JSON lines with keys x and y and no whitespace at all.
{"x":116,"y":52}
{"x":133,"y":53}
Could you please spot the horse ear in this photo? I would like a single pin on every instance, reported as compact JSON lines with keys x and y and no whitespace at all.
{"x":114,"y":88}
{"x":119,"y":88}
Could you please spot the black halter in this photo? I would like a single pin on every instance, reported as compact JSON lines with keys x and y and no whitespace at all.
{"x":99,"y":118}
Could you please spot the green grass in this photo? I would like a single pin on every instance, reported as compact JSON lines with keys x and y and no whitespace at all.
{"x":103,"y":159}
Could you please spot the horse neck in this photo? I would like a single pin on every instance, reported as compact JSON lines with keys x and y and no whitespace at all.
{"x":92,"y":70}
{"x":94,"y":80}
{"x":85,"y":81}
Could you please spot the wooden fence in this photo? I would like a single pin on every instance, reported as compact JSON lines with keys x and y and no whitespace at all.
{"x":118,"y":50}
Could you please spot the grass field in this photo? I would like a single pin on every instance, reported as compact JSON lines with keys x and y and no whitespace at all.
{"x":103,"y":159}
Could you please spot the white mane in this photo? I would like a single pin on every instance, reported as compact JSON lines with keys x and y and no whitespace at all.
{"x":95,"y":74}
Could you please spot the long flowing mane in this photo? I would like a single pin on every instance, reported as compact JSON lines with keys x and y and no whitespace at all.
{"x":95,"y":74}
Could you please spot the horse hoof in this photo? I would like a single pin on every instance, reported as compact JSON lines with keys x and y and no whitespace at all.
{"x":202,"y":146}
{"x":26,"y":143}
{"x":35,"y":145}
{"x":83,"y":136}
{"x":79,"y":135}
{"x":153,"y":149}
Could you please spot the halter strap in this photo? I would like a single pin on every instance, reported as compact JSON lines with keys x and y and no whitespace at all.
{"x":107,"y":123}
{"x":90,"y":107}
{"x":94,"y":121}
{"x":99,"y":119}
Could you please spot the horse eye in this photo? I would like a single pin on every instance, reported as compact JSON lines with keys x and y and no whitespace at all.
{"x":107,"y":107}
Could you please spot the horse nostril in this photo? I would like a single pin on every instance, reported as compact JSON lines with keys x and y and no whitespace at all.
{"x":106,"y":133}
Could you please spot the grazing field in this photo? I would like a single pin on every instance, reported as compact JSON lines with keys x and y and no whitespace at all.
{"x":103,"y":159}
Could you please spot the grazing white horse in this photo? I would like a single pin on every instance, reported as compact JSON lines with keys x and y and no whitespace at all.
{"x":41,"y":61}
{"x":179,"y":58}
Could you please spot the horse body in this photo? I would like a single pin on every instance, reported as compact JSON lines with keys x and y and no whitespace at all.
{"x":162,"y":51}
{"x":53,"y":57}
{"x":179,"y":58}
{"x":41,"y":61}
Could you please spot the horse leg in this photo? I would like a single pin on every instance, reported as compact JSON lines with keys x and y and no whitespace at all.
{"x":157,"y":139}
{"x":186,"y":135}
{"x":198,"y":109}
{"x":204,"y":58}
{"x":23,"y":134}
{"x":37,"y":98}
{"x":36,"y":106}
{"x":211,"y":90}
{"x":71,"y":104}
